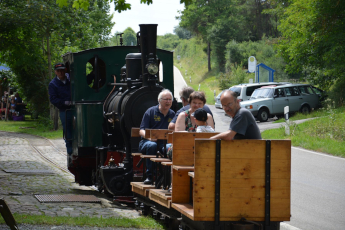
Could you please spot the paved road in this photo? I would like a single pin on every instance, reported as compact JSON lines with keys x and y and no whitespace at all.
{"x":317,"y":191}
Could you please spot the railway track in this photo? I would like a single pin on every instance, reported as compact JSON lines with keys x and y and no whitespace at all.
{"x":48,"y":152}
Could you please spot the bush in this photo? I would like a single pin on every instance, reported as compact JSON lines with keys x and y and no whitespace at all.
{"x":337,"y":93}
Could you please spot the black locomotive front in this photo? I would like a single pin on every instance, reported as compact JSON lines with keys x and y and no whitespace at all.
{"x":124,"y":109}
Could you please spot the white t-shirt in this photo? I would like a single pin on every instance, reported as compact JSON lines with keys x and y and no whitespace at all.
{"x":204,"y":129}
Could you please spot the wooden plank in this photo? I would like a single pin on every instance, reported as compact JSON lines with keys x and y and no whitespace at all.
{"x":180,"y":187}
{"x":160,"y":134}
{"x":170,"y":137}
{"x":148,"y":156}
{"x":191,"y":174}
{"x":204,"y":180}
{"x":183,"y":168}
{"x":167,"y":163}
{"x":162,"y":197}
{"x":147,"y":133}
{"x":141,"y":188}
{"x":183,"y":146}
{"x":137,"y":154}
{"x":135,"y":132}
{"x":160,"y":160}
{"x":185,"y":209}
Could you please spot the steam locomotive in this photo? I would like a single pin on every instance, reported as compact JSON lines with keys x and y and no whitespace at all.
{"x":111,"y":88}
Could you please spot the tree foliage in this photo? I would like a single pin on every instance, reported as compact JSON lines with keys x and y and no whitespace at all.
{"x":129,"y":37}
{"x":220,"y":21}
{"x":120,"y":5}
{"x":35,"y":33}
{"x":313,"y":39}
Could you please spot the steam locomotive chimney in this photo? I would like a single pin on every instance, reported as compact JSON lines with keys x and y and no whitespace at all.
{"x":148,"y":40}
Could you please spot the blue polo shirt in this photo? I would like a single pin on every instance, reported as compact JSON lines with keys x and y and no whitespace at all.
{"x":154,"y":119}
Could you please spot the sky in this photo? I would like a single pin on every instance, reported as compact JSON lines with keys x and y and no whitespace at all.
{"x":161,"y":12}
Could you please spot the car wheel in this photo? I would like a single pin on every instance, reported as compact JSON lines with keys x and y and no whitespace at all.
{"x":305,"y":109}
{"x":263,"y":115}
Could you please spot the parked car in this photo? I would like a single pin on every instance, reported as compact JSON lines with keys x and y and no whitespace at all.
{"x":244,"y":91}
{"x":270,"y":101}
{"x":217,"y":104}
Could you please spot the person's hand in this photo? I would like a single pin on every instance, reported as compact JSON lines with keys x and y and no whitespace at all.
{"x":67,"y":102}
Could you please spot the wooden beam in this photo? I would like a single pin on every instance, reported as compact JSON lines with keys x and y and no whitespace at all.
{"x":135,"y":132}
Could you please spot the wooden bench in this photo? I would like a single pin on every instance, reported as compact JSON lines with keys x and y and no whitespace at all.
{"x":157,"y":134}
{"x":242,"y":181}
{"x":162,"y":197}
{"x":141,"y":188}
{"x":183,"y":147}
{"x":183,"y":162}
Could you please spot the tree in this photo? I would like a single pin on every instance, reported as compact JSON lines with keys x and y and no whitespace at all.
{"x":35,"y":33}
{"x":129,"y":37}
{"x":182,"y":33}
{"x":313,"y":38}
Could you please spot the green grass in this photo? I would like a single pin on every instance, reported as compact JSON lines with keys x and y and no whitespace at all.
{"x":316,"y":113}
{"x":323,"y":134}
{"x":140,"y":222}
{"x":31,"y":126}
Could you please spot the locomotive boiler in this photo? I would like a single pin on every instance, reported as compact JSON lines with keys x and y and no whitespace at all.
{"x":111,"y":89}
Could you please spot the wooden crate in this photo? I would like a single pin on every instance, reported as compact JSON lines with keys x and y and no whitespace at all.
{"x":242,"y":181}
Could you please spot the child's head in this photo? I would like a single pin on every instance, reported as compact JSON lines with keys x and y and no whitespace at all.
{"x":12,"y":101}
{"x":200,"y":116}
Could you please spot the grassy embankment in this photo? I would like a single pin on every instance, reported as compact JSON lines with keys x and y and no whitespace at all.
{"x":325,"y":133}
{"x":194,"y":61}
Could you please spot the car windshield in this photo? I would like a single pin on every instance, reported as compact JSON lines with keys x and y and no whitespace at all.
{"x":220,"y":94}
{"x":237,"y":90}
{"x":262,"y":93}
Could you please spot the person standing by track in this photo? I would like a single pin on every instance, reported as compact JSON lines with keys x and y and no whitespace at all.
{"x":60,"y":96}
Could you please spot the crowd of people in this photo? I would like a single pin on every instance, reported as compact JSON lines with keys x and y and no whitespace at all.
{"x":11,"y":106}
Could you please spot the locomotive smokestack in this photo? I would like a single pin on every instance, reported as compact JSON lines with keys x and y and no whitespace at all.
{"x":148,"y":40}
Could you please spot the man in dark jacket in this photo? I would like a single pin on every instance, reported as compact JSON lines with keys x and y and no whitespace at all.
{"x":60,"y":96}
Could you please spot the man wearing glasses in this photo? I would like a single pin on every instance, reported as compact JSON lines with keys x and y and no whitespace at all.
{"x":156,"y":117}
{"x":243,"y":124}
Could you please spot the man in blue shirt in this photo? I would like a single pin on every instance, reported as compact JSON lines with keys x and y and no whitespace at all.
{"x":156,"y":117}
{"x":60,"y":96}
{"x":184,"y":96}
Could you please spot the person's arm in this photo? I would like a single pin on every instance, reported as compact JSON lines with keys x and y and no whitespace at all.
{"x":228,"y":135}
{"x":210,"y":121}
{"x":180,"y":122}
{"x":171,"y":126}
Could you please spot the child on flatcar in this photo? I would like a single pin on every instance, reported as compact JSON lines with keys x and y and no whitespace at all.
{"x":200,"y":118}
